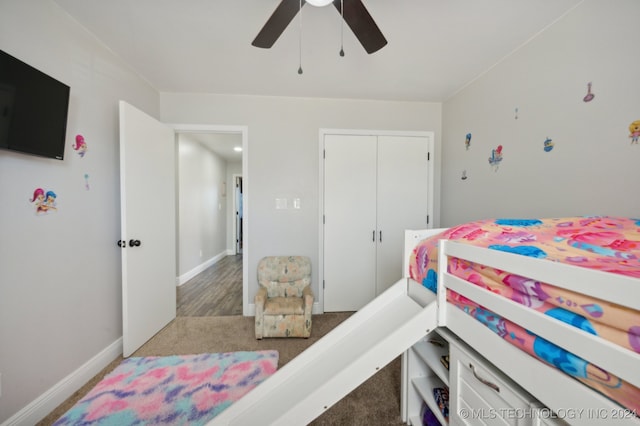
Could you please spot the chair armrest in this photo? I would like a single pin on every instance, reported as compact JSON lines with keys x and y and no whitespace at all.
{"x":307,"y":294}
{"x":261,"y":297}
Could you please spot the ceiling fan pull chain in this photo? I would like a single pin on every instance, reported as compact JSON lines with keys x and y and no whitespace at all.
{"x":342,"y":28}
{"x":300,"y":40}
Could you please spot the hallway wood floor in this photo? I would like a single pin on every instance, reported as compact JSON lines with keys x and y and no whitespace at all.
{"x":216,"y":291}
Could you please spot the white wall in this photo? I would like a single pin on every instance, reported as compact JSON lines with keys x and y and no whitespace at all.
{"x":283,"y":159}
{"x":202,"y":211}
{"x":60,"y":285}
{"x":593,"y":168}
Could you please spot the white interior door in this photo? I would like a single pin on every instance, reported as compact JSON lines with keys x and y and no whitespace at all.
{"x":350,"y":221}
{"x":147,"y":185}
{"x":403,"y":191}
{"x":238,"y":214}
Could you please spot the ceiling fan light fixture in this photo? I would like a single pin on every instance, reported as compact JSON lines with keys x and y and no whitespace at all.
{"x":355,"y":15}
{"x":319,"y":3}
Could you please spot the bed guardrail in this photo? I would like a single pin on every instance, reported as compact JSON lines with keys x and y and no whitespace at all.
{"x":619,"y":289}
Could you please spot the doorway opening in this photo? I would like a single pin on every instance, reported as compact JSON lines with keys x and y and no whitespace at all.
{"x":207,"y":224}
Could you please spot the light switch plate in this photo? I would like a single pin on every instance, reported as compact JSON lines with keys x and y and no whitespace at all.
{"x":281,"y":203}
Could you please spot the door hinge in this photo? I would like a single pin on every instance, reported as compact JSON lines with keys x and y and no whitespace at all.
{"x":427,"y":219}
{"x":323,"y":220}
{"x":324,"y":153}
{"x":323,"y":284}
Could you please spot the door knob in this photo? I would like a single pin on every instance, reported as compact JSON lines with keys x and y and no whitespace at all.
{"x":134,"y":243}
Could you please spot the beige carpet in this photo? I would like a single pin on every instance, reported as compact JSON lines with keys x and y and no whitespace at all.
{"x":375,"y":402}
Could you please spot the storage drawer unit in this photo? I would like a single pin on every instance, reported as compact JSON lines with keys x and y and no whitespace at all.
{"x":479,"y":393}
{"x":482,"y":395}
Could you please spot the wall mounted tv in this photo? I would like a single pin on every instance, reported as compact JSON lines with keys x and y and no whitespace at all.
{"x":33,"y":109}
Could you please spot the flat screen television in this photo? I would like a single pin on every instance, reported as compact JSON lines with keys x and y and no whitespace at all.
{"x":33,"y":109}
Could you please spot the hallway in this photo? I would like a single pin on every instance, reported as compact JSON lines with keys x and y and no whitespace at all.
{"x":217,"y":291}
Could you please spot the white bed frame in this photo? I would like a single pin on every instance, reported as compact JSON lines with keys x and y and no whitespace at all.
{"x":550,"y":386}
{"x":406,"y":312}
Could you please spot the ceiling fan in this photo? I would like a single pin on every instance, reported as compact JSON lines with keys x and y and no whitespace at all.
{"x":353,"y":12}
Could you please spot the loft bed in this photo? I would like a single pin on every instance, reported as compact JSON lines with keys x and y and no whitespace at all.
{"x":552,"y":303}
{"x":453,"y":262}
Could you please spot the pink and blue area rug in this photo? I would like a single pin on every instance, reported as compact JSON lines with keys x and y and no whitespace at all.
{"x":171,"y":390}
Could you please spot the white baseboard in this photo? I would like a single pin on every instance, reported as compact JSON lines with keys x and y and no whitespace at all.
{"x":250,"y":311}
{"x":195,"y":271}
{"x":61,"y":391}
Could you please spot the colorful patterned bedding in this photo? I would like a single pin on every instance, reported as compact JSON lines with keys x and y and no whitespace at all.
{"x":609,"y":244}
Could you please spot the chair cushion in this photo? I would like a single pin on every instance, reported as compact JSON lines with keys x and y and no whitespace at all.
{"x":284,"y":276}
{"x":284,"y":306}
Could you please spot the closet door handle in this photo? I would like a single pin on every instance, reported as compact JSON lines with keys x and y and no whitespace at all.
{"x":380,"y":236}
{"x":484,"y":381}
{"x":374,"y":236}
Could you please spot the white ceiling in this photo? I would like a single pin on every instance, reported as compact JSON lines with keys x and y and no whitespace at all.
{"x":435,"y":47}
{"x":222,"y":144}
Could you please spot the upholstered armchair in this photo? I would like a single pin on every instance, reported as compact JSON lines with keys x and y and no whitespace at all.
{"x":284,"y":300}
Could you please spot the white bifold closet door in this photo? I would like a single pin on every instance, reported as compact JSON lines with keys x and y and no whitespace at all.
{"x":375,"y":187}
{"x":349,"y":221}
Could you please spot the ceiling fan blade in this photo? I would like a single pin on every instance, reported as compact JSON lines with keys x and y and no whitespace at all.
{"x":284,"y":13}
{"x":362,"y":24}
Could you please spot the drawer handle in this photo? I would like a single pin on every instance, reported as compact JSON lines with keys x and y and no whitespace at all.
{"x":484,"y":381}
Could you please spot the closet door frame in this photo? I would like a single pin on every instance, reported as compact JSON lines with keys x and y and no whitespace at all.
{"x":430,"y":187}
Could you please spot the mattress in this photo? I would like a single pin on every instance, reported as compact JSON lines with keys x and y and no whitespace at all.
{"x":609,"y":244}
